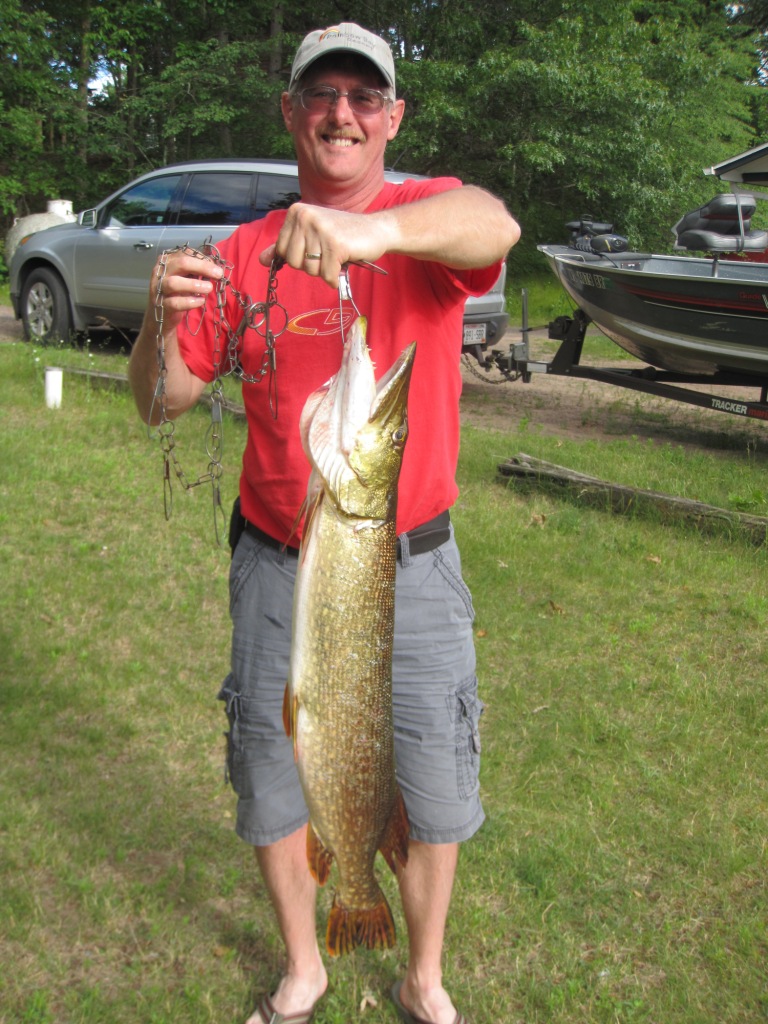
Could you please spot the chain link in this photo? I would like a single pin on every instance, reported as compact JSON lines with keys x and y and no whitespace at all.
{"x":259,"y":317}
{"x":472,"y":366}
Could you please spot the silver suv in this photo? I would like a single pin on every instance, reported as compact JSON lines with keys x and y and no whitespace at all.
{"x":95,"y":272}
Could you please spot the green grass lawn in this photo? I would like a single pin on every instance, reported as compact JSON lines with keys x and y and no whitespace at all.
{"x":621,"y":875}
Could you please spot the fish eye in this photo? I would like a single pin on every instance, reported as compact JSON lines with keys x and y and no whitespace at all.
{"x":399,"y":435}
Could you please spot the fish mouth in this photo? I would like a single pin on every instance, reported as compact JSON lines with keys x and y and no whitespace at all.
{"x":352,"y":410}
{"x":392,"y":389}
{"x":335,"y":414}
{"x":363,"y":401}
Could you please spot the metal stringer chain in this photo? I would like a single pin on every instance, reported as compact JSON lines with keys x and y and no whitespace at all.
{"x":256,"y":315}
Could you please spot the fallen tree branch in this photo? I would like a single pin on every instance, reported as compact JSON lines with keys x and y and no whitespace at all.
{"x":621,"y":498}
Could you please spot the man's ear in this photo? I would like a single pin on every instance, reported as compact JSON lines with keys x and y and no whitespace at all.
{"x":286,"y":105}
{"x":396,"y":112}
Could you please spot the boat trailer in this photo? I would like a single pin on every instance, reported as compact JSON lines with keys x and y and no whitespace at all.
{"x":516,"y":364}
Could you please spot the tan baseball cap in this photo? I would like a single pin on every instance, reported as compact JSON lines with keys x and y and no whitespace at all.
{"x":346,"y":37}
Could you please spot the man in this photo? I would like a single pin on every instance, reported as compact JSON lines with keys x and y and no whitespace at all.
{"x":438,"y":241}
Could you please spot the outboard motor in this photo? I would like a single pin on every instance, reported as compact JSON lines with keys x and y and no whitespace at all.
{"x":593,"y":236}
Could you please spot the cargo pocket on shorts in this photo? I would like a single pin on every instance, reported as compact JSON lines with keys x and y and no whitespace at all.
{"x":452,"y":575}
{"x":469,"y":708}
{"x":233,"y":760}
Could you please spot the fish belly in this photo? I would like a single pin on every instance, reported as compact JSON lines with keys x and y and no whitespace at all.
{"x":340,"y":716}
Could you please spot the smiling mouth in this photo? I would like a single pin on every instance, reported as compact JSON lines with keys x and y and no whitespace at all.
{"x":342,"y":141}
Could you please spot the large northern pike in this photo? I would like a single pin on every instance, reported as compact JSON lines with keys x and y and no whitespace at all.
{"x":339,"y":696}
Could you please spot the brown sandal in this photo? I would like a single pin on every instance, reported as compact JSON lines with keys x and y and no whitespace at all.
{"x":269,"y":1015}
{"x":408,"y":1018}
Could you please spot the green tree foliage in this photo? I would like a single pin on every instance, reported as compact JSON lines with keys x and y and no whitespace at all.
{"x":34,"y":98}
{"x":612,"y":109}
{"x":562,"y":107}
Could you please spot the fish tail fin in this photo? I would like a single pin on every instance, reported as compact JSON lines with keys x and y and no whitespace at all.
{"x":319,"y":858}
{"x":394,"y":845}
{"x":372,"y":927}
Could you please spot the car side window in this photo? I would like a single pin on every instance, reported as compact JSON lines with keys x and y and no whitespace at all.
{"x":145,"y":205}
{"x":276,"y":192}
{"x":218,"y":198}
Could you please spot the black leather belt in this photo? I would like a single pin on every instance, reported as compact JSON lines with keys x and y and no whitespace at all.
{"x":424,"y":538}
{"x":270,"y":542}
{"x":428,"y":536}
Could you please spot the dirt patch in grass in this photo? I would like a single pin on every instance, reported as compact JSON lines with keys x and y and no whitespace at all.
{"x":580,"y":409}
{"x":10,"y":328}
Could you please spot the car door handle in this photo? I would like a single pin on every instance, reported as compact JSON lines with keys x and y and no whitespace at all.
{"x":143,"y":245}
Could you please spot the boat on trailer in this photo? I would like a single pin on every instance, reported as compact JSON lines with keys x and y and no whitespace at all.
{"x":692,"y":320}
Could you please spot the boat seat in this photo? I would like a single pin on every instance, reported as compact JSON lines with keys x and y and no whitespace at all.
{"x":721,"y":225}
{"x":710,"y":241}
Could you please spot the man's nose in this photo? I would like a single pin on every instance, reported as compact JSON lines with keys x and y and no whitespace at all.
{"x":341,"y":109}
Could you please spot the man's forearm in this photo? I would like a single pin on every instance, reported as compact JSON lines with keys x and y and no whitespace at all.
{"x":182,"y":387}
{"x":463,"y":228}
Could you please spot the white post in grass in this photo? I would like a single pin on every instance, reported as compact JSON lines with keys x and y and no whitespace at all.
{"x":54,"y":377}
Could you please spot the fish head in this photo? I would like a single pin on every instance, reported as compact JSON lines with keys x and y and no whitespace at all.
{"x":377,"y":455}
{"x":354,"y":430}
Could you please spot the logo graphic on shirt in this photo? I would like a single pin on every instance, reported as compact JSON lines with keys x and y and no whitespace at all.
{"x":321,"y":322}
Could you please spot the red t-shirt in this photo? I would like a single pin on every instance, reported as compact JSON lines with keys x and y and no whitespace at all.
{"x":417,"y":301}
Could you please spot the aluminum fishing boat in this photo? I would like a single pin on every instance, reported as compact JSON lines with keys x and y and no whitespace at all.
{"x":679,"y":313}
{"x":689,"y":314}
{"x":693,"y":319}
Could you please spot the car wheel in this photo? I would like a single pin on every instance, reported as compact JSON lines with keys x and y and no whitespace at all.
{"x":45,"y":311}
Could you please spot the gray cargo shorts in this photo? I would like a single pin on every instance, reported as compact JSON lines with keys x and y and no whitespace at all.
{"x":434,"y":689}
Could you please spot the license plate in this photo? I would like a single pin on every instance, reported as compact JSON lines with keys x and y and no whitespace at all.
{"x":474,"y":335}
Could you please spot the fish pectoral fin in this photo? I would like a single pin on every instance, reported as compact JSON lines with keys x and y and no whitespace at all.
{"x":310,"y":507}
{"x":319,"y":858}
{"x":394,"y":845}
{"x":314,"y":493}
{"x":372,"y":927}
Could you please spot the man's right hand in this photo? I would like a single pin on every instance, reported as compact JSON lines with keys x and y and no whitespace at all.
{"x":179,"y":283}
{"x":185,"y":282}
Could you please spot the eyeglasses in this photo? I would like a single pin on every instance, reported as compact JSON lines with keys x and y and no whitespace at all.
{"x":319,"y":99}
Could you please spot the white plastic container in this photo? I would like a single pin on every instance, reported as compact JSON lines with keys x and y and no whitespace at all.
{"x":61,"y":208}
{"x":54,"y":381}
